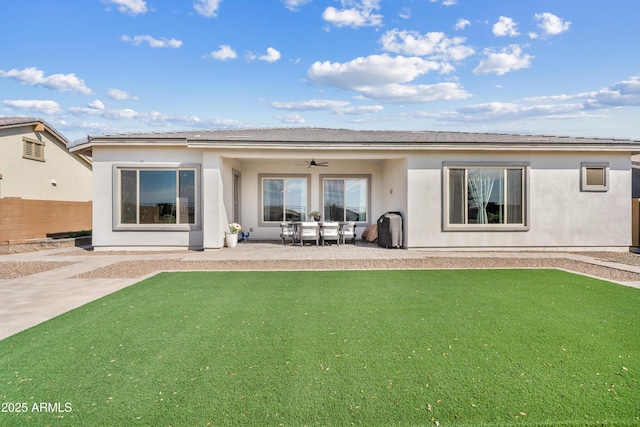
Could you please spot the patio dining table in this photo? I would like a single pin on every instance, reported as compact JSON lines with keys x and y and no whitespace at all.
{"x":296,"y":228}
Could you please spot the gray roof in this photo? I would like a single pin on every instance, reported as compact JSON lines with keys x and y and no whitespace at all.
{"x":348,"y":135}
{"x":289,"y":137}
{"x":26,"y":121}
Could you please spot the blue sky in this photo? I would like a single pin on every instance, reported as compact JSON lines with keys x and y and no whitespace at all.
{"x":569,"y":67}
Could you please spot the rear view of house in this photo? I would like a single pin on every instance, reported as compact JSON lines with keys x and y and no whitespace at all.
{"x":455,"y":191}
{"x":44,"y":189}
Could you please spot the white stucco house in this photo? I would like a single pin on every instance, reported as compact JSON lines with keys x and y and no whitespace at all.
{"x":455,"y":191}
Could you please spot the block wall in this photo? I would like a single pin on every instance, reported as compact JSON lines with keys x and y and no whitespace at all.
{"x":22,"y":219}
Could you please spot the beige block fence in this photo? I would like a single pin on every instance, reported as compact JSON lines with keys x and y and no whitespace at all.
{"x":23,"y":219}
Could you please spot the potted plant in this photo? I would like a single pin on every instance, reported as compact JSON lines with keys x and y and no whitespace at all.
{"x":315,"y":215}
{"x":231,"y":236}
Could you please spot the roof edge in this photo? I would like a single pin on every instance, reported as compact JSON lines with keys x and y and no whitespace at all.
{"x":11,"y":122}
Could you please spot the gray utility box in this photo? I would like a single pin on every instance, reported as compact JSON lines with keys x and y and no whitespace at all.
{"x":390,"y":230}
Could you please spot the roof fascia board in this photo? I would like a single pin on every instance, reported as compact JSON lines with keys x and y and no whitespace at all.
{"x":328,"y":146}
{"x":47,"y":128}
{"x":55,"y":134}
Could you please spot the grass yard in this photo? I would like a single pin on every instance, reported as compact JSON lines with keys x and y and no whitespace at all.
{"x":335,"y":348}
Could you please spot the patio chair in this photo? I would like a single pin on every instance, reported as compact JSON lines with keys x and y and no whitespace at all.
{"x":330,"y":231}
{"x":287,"y":232}
{"x":308,"y":231}
{"x":348,"y":231}
{"x":168,"y":219}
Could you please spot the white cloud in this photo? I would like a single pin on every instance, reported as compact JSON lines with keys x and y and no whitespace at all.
{"x":354,"y":13}
{"x":361,"y":110}
{"x":501,"y":110}
{"x":446,"y":2}
{"x":120,"y":95}
{"x":624,"y":93}
{"x":309,"y":105}
{"x":294,"y":5}
{"x":272,"y":55}
{"x":131,"y":7}
{"x":505,"y":27}
{"x":109,"y":114}
{"x":224,"y":53}
{"x":61,"y":82}
{"x":153,"y":42}
{"x":335,"y":106}
{"x":436,"y":45}
{"x":550,"y":24}
{"x":505,"y":111}
{"x":509,"y":59}
{"x":462,"y":24}
{"x":405,"y":13}
{"x":207,"y":8}
{"x":42,"y":106}
{"x":374,"y":70}
{"x":565,"y":106}
{"x":385,"y":78}
{"x":409,"y":93}
{"x":88,"y":127}
{"x":291,"y":119}
{"x":97,"y":104}
{"x":153,"y":118}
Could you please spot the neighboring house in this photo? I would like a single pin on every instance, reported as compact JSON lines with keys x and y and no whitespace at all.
{"x":455,"y":191}
{"x":44,"y":189}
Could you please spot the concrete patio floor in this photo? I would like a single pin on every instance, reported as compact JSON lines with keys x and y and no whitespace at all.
{"x":30,"y":296}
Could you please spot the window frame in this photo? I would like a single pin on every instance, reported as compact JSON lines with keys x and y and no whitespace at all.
{"x":445,"y":202}
{"x":26,"y":142}
{"x":173,"y":167}
{"x":262,"y":177}
{"x":584,"y":187}
{"x":345,"y":177}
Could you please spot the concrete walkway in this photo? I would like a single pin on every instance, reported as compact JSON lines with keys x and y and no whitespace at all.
{"x":33,"y":298}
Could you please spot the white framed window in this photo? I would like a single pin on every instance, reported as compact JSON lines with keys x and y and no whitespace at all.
{"x":481,"y":196}
{"x":283,"y":198}
{"x":33,"y":149}
{"x":156,"y":198}
{"x":345,"y":198}
{"x":594,"y":176}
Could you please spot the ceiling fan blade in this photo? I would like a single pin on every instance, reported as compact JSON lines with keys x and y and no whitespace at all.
{"x":313,"y":163}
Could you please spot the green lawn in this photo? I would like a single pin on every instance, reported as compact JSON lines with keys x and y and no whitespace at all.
{"x":371,"y":348}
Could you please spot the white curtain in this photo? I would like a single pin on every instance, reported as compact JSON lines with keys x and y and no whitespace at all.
{"x":480,"y":187}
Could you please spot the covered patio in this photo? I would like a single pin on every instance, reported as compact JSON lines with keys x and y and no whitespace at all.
{"x":261,"y":193}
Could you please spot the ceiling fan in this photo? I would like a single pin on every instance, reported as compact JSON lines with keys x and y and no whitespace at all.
{"x":313,"y":163}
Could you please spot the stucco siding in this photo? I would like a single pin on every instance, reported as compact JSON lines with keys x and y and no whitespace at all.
{"x":61,"y":176}
{"x":394,"y":192}
{"x":105,"y":162}
{"x":560,"y":215}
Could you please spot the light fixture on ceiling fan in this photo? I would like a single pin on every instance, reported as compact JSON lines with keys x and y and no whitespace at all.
{"x":313,"y":164}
